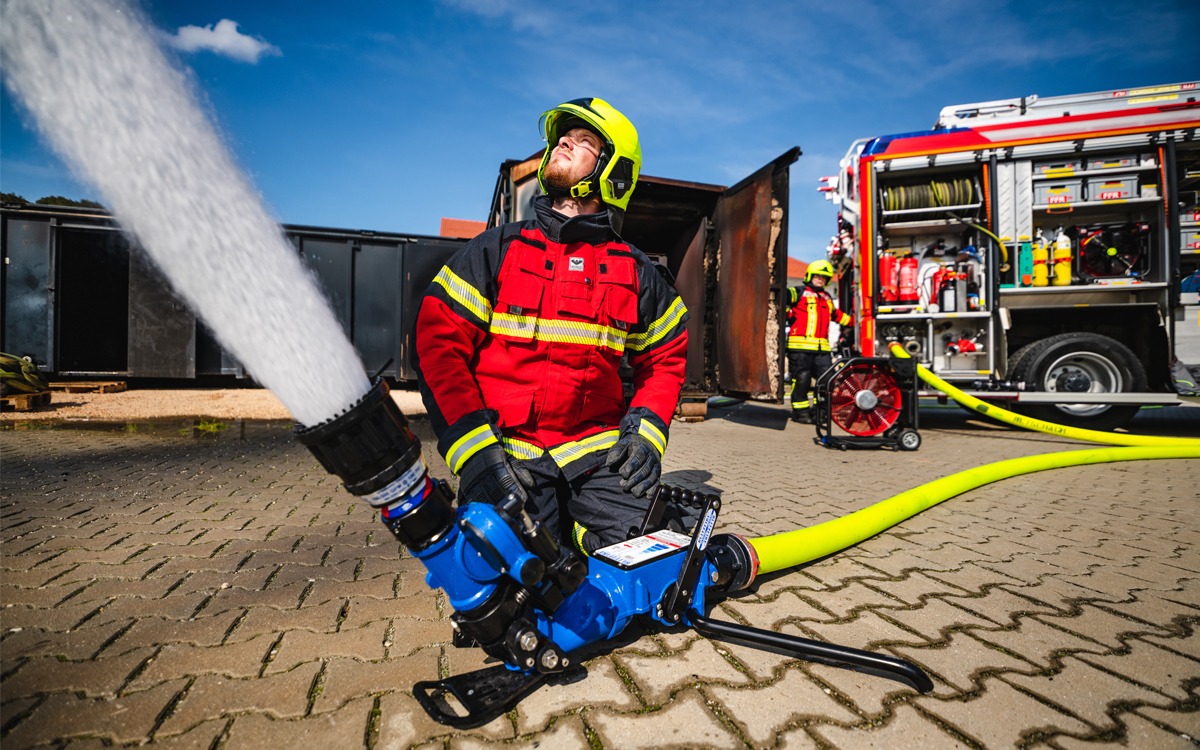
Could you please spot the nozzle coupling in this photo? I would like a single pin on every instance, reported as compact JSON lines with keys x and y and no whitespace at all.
{"x":734,"y":562}
{"x":371,"y":448}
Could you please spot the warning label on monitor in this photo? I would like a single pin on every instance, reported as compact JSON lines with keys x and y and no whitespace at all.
{"x":643,"y":549}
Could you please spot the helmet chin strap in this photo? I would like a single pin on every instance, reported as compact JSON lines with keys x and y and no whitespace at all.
{"x":582,"y":189}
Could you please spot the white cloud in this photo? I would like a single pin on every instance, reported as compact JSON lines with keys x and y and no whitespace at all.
{"x":222,"y":39}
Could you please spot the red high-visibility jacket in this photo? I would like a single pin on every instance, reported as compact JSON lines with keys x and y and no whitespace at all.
{"x":812,"y":309}
{"x":521,"y":334}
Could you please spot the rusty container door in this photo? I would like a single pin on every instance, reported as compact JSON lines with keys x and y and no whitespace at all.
{"x":751,"y":222}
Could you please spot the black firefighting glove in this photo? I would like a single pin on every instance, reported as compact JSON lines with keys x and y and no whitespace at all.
{"x":490,"y":476}
{"x":637,"y":461}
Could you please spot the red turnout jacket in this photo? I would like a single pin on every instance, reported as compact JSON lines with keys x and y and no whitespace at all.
{"x":521,"y":334}
{"x":809,"y":317}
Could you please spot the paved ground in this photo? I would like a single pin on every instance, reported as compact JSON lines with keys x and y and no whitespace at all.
{"x":183,"y":589}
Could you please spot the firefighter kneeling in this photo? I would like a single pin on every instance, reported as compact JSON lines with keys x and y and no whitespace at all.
{"x":812,"y":309}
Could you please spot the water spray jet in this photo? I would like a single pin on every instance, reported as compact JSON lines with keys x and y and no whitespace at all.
{"x":108,"y":100}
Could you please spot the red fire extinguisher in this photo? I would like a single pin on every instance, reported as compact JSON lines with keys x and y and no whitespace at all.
{"x":908,"y":280}
{"x":887,"y":277}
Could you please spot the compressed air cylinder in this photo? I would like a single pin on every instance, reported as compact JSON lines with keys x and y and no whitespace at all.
{"x":1062,"y":260}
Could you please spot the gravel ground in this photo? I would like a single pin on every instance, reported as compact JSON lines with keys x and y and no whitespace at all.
{"x":138,"y":405}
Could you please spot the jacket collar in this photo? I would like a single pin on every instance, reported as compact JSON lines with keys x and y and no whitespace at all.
{"x":560,"y":228}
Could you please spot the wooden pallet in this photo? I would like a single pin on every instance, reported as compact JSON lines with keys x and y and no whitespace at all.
{"x":89,"y":386}
{"x":25,"y":401}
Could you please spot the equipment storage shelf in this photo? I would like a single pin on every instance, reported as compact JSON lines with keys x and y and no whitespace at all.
{"x":1090,"y":180}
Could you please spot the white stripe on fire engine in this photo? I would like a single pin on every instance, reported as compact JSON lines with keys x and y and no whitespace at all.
{"x":532,"y":328}
{"x":464,"y":294}
{"x":659,"y":328}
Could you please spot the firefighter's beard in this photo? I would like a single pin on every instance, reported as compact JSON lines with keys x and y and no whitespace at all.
{"x":558,"y":175}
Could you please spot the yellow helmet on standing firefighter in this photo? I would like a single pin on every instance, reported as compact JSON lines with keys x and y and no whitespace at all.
{"x":819,"y":268}
{"x":620,"y":159}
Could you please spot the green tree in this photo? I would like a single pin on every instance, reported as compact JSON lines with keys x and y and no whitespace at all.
{"x":12,"y":198}
{"x":58,"y":200}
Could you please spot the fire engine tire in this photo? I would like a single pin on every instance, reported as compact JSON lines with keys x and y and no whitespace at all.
{"x":1088,"y":362}
{"x":1018,"y":358}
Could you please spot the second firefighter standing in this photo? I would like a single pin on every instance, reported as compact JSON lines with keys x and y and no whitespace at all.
{"x":811,"y":309}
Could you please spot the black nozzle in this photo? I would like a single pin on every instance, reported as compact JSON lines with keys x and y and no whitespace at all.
{"x":369,"y":446}
{"x":377,"y":456}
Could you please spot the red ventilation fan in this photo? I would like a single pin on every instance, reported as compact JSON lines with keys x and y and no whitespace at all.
{"x":873,"y":400}
{"x":864,"y":400}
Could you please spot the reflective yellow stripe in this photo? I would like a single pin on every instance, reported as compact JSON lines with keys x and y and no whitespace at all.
{"x":468,"y":445}
{"x":532,"y":328}
{"x":577,"y":536}
{"x":464,"y":294}
{"x":808,"y":344}
{"x":654,"y":435}
{"x":568,"y":452}
{"x":521,"y":449}
{"x":801,"y":404}
{"x":810,"y":323}
{"x":659,"y":328}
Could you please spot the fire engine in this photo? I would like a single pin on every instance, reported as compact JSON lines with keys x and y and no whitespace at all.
{"x":1032,"y":251}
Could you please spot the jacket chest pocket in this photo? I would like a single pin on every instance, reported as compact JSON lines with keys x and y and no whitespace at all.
{"x":607,"y":296}
{"x":525,"y":282}
{"x":618,"y":284}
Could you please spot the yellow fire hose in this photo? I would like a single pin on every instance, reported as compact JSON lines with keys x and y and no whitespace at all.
{"x":1038,"y":425}
{"x":790,"y":548}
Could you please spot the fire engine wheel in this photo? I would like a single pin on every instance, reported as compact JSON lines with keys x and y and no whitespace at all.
{"x":1080,"y":363}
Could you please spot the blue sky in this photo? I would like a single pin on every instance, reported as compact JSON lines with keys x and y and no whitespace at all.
{"x":391,"y":115}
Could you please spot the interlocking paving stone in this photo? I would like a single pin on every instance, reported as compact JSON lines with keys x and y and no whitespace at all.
{"x":102,"y":677}
{"x":228,"y":593}
{"x":905,"y":728}
{"x":684,"y":722}
{"x":1185,"y":723}
{"x":1160,"y":669}
{"x":764,"y":710}
{"x":283,"y":696}
{"x":70,"y":645}
{"x":1098,"y":624}
{"x":233,"y":660}
{"x":1093,"y":691}
{"x":1001,"y":715}
{"x":602,"y":685}
{"x":1138,"y":732}
{"x":957,"y":665}
{"x":345,"y":727}
{"x":364,"y":643}
{"x":658,"y":678}
{"x":125,"y":718}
